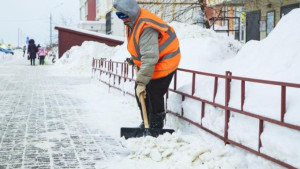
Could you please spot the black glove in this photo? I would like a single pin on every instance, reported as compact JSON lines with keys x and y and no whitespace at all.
{"x":129,"y":61}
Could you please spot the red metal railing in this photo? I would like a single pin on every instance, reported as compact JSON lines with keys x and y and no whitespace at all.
{"x":117,"y":70}
{"x":120,"y":70}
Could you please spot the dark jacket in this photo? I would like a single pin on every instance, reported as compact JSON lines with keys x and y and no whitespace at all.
{"x":32,"y":49}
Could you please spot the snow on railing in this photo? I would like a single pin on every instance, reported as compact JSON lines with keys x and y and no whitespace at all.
{"x":121,"y":76}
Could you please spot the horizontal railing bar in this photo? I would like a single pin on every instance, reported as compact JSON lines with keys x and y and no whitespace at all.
{"x":262,"y":154}
{"x":117,"y":88}
{"x":111,"y":61}
{"x":196,"y":124}
{"x":240,"y":111}
{"x":266,"y":81}
{"x":244,"y":78}
{"x":226,"y":30}
{"x":201,"y":73}
{"x":131,"y":79}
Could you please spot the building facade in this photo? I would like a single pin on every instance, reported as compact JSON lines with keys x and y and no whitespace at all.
{"x":263,"y":15}
{"x":255,"y":19}
{"x":244,"y":20}
{"x":95,"y":12}
{"x":99,"y":16}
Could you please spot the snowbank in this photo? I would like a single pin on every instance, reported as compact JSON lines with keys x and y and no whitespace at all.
{"x":78,"y":60}
{"x":6,"y":59}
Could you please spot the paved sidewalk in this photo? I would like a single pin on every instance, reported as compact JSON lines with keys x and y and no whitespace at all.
{"x":38,"y":124}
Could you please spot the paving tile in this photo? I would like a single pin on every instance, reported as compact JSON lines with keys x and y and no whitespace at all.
{"x":38,"y":124}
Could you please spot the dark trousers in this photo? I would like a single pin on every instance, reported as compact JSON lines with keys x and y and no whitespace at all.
{"x":156,"y":89}
{"x":42,"y":60}
{"x":32,"y":61}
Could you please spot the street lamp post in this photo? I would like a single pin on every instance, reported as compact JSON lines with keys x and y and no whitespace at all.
{"x":51,"y":22}
{"x":50,"y":30}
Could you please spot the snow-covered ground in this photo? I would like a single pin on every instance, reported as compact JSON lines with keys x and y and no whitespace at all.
{"x":275,"y":58}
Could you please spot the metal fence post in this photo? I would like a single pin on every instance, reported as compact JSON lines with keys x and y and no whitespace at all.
{"x":283,"y":103}
{"x":215,"y":89}
{"x":242,"y":94}
{"x":227,"y":98}
{"x":261,"y":129}
{"x":175,"y":80}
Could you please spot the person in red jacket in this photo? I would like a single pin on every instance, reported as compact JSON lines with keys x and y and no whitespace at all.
{"x":154,"y":48}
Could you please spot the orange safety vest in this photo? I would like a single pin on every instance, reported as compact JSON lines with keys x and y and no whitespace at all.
{"x":169,"y":52}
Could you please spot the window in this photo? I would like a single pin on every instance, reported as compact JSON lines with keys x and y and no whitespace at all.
{"x":270,"y":21}
{"x":200,"y":19}
{"x":225,"y":14}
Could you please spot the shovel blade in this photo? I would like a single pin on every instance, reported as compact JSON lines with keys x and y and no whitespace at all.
{"x":139,"y":132}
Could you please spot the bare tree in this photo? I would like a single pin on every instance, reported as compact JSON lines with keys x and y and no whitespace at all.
{"x":66,"y":21}
{"x":187,"y":11}
{"x":203,"y":8}
{"x":183,"y":11}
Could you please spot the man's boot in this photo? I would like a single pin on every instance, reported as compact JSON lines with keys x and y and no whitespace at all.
{"x":157,"y":120}
{"x":142,"y":125}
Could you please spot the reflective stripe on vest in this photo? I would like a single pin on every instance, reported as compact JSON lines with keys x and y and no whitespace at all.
{"x":168,"y":43}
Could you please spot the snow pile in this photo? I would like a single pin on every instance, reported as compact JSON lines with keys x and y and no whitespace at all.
{"x":17,"y":58}
{"x":184,"y":151}
{"x":202,"y":47}
{"x":78,"y":60}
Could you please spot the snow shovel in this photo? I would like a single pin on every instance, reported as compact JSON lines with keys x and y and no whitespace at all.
{"x":142,"y":132}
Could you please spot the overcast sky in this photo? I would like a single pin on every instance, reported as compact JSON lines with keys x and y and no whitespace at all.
{"x":31,"y":18}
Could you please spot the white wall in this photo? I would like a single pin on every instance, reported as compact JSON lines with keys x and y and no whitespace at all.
{"x":82,"y":10}
{"x":118,"y":28}
{"x":106,"y":6}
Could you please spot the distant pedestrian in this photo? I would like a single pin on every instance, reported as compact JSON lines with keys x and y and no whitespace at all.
{"x":38,"y":46}
{"x":41,"y":54}
{"x":24,"y":50}
{"x":32,"y":50}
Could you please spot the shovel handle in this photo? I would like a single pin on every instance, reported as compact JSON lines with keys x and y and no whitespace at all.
{"x":142,"y":101}
{"x":144,"y":110}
